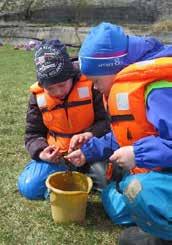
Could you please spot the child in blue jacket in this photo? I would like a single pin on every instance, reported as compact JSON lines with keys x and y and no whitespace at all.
{"x":144,"y":199}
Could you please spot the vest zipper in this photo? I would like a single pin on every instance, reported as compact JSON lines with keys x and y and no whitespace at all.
{"x":66,"y":111}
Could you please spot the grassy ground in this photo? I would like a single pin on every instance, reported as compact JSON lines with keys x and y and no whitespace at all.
{"x":23,"y":221}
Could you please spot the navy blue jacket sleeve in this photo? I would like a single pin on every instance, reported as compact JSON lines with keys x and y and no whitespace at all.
{"x":156,"y":151}
{"x":99,"y":149}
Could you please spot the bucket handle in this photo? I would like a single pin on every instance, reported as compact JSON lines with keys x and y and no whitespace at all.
{"x":47,"y":193}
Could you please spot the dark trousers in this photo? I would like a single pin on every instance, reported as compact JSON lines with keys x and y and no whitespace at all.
{"x":135,"y":236}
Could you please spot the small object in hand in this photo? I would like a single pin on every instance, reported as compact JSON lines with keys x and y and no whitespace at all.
{"x":114,"y":172}
{"x":109,"y":171}
{"x":69,"y":166}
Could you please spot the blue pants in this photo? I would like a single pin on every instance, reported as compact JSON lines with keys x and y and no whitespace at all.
{"x":115,"y":206}
{"x":145,"y":200}
{"x":31,"y":182}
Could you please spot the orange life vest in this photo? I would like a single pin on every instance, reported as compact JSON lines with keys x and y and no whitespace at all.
{"x":126,"y":101}
{"x":66,"y":118}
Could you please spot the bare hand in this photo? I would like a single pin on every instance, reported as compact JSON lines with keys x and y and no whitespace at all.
{"x":124,"y":157}
{"x":78,"y":140}
{"x":50,"y":154}
{"x":77,"y":158}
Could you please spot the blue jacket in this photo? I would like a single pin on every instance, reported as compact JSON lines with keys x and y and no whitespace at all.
{"x":149,"y":151}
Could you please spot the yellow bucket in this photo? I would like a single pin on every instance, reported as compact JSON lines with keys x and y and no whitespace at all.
{"x":68,"y":196}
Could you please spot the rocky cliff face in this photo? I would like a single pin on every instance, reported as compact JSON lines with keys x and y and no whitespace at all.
{"x":87,"y":11}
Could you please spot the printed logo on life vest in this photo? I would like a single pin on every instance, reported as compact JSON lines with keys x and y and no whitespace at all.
{"x":122,"y":101}
{"x":83,"y":92}
{"x":41,"y":101}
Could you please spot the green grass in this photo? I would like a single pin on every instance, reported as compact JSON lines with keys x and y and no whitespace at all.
{"x":23,"y":221}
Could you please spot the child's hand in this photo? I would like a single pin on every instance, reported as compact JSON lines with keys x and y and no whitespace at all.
{"x":77,"y":158}
{"x":50,"y":154}
{"x":78,"y":140}
{"x":124,"y":157}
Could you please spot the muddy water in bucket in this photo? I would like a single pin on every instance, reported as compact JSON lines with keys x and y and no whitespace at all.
{"x":68,"y":196}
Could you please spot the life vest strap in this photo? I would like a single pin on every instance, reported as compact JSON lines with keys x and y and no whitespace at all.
{"x":62,"y":135}
{"x":169,"y":170}
{"x":67,"y":105}
{"x":120,"y":118}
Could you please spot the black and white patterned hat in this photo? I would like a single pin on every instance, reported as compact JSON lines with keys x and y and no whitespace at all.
{"x":53,"y":64}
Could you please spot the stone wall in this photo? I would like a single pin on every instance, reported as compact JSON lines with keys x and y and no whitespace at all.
{"x":21,"y":32}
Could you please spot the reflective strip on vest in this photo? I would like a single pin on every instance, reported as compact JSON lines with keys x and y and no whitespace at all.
{"x":41,"y":100}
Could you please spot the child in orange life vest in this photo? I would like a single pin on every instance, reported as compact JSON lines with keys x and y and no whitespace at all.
{"x":64,"y":112}
{"x":134,"y":74}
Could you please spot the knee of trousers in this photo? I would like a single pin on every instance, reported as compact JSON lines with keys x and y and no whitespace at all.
{"x":31,"y":182}
{"x":147,"y":197}
{"x":114,"y":205}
